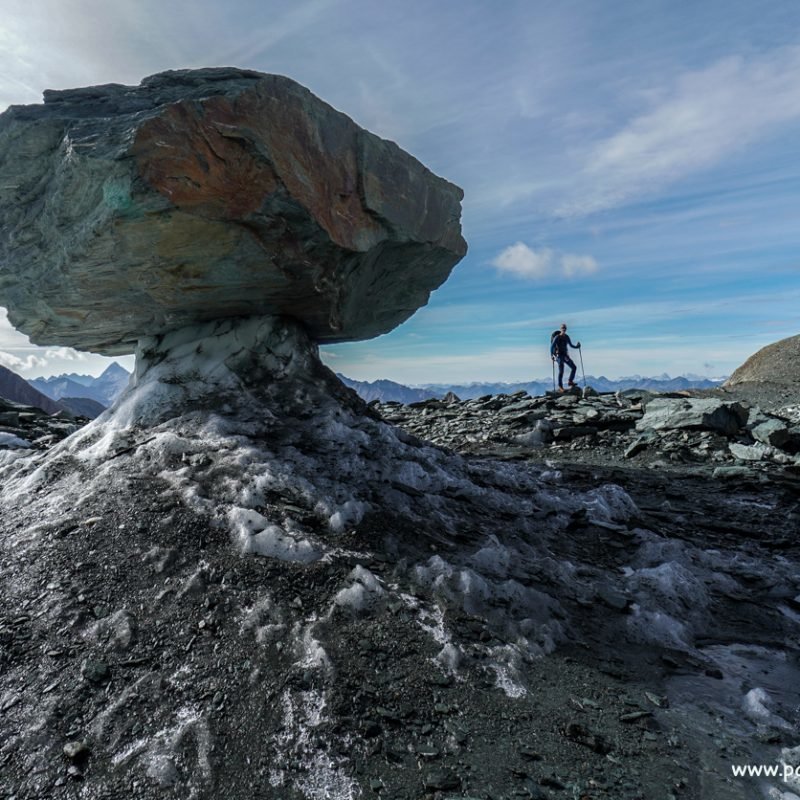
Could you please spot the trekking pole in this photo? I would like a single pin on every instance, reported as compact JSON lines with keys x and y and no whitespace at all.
{"x":554,"y":375}
{"x":580,"y":353}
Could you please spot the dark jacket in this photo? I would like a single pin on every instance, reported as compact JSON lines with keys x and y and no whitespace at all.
{"x":558,"y":346}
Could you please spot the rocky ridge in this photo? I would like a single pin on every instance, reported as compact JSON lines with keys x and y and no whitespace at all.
{"x":725,"y":435}
{"x":775,"y":365}
{"x":17,"y":390}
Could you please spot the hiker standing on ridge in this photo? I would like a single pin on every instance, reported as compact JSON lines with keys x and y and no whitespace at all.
{"x":559,"y":344}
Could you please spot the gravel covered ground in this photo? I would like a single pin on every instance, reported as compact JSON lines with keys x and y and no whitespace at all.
{"x":547,"y":639}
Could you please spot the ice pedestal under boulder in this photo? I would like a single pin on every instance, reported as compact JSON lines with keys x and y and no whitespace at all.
{"x":239,"y":368}
{"x":235,"y":412}
{"x":241,"y":421}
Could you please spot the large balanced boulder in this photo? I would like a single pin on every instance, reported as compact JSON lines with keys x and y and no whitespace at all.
{"x":127,"y":212}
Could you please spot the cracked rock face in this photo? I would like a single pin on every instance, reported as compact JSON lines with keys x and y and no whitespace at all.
{"x":207,"y":194}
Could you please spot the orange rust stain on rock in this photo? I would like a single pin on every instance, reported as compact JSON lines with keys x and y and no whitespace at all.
{"x":188,"y":154}
{"x":223,"y":158}
{"x":314,"y":150}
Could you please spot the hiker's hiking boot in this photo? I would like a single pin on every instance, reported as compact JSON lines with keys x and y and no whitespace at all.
{"x":561,"y":389}
{"x":571,"y":384}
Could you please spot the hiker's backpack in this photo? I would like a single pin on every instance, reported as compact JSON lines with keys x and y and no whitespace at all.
{"x":553,"y":341}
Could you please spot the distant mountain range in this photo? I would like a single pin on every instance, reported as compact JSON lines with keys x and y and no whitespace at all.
{"x":88,"y":396}
{"x":15,"y":388}
{"x":388,"y":391}
{"x":102,"y":389}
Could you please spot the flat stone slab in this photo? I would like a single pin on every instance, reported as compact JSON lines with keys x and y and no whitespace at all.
{"x":665,"y":413}
{"x":205,"y":194}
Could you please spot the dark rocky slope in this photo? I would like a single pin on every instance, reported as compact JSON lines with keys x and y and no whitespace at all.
{"x":771,"y":376}
{"x":17,"y":390}
{"x":306,"y":603}
{"x":777,"y":364}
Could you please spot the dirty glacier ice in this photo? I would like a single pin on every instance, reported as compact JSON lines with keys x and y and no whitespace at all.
{"x":237,"y":427}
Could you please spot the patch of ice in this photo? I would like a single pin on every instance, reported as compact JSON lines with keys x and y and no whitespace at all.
{"x":450,"y":657}
{"x":9,"y":458}
{"x":321,"y":776}
{"x":166,"y":747}
{"x":505,"y":604}
{"x":349,"y":513}
{"x":11,"y":441}
{"x":310,"y":652}
{"x":670,"y":586}
{"x":506,"y":680}
{"x":610,"y":503}
{"x":756,"y":706}
{"x":774,"y":793}
{"x":493,"y":558}
{"x":363,"y":594}
{"x":790,"y":761}
{"x":658,"y":627}
{"x":257,"y":535}
{"x":112,"y":722}
{"x":135,"y":748}
{"x":432,"y":621}
{"x":264,"y":620}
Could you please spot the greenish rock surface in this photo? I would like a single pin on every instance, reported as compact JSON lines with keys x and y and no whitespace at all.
{"x":206,"y":194}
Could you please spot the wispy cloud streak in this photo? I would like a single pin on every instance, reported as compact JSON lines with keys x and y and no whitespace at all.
{"x":696,"y":123}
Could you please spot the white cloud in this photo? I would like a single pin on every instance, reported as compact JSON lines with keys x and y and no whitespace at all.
{"x":642,"y":312}
{"x":17,"y":364}
{"x":520,"y":260}
{"x":65,"y":354}
{"x":573,"y":265}
{"x":702,"y":118}
{"x":523,"y":261}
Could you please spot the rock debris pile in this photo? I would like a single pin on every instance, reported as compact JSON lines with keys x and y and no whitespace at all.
{"x":729,"y":436}
{"x":23,"y":427}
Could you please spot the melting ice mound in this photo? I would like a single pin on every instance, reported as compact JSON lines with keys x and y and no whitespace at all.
{"x":234,"y":411}
{"x":475,"y":569}
{"x":252,"y":431}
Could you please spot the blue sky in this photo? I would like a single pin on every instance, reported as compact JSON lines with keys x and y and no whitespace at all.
{"x":631,"y":168}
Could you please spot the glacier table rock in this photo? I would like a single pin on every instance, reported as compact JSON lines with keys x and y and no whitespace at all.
{"x":127,"y":212}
